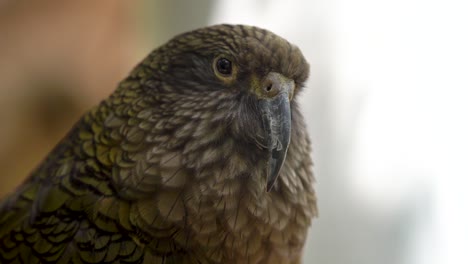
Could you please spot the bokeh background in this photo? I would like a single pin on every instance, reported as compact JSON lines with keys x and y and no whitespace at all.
{"x":386,"y":104}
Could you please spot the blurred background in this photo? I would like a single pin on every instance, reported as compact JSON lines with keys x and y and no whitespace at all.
{"x":386,"y":104}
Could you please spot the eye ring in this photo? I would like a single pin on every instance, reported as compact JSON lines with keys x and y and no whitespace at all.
{"x":223,"y":66}
{"x":225,"y":69}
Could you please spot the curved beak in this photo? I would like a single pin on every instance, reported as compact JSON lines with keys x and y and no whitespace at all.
{"x":276,"y":119}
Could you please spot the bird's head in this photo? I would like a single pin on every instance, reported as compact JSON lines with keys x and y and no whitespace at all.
{"x":229,"y":87}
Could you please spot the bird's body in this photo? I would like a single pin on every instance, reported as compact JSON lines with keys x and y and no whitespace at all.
{"x":172,"y":167}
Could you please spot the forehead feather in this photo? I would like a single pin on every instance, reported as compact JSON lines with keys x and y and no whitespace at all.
{"x":249,"y":46}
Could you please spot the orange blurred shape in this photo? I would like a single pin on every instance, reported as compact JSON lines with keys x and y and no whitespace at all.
{"x":57,"y":58}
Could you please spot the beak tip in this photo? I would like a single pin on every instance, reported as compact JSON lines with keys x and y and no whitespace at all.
{"x":275,"y":164}
{"x":270,"y":185}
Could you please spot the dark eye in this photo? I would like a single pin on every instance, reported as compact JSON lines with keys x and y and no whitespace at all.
{"x":224,"y":66}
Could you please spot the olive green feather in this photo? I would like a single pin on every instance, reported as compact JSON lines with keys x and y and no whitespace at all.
{"x":178,"y":164}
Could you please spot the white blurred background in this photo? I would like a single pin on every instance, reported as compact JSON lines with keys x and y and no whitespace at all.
{"x":386,"y":105}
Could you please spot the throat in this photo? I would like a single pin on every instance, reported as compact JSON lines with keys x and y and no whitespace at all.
{"x":234,"y":176}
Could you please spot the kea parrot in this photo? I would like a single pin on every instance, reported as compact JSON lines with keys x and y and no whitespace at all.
{"x":201,"y":155}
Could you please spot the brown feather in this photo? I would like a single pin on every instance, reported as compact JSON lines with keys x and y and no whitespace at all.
{"x":171,"y":167}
